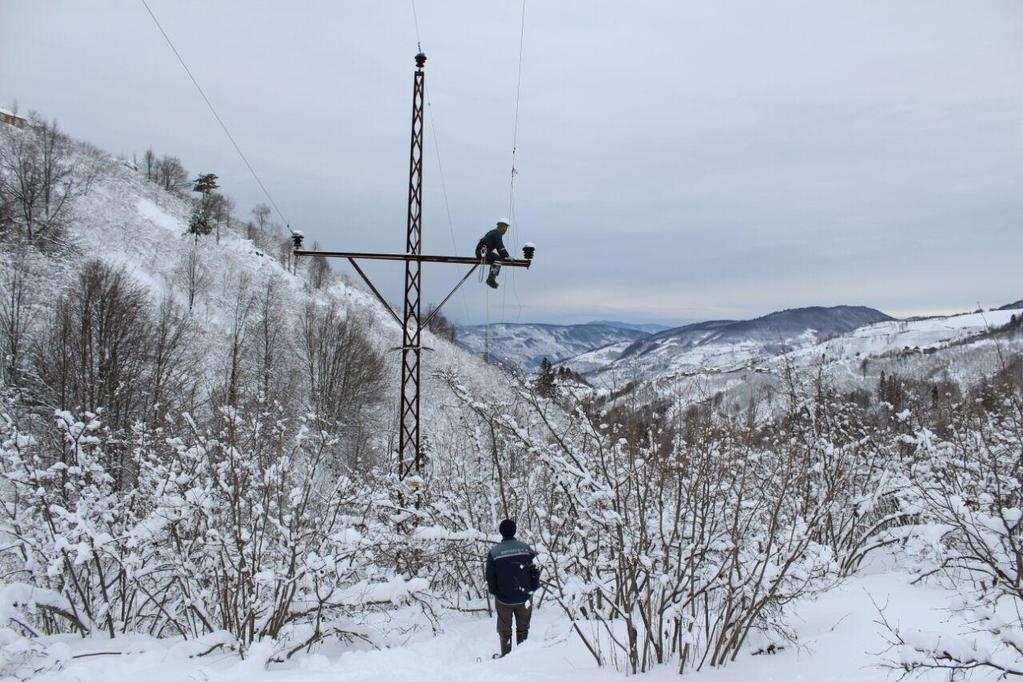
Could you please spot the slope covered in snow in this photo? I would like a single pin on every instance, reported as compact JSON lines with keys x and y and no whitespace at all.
{"x":722,"y":344}
{"x":129,"y":222}
{"x":959,"y":348}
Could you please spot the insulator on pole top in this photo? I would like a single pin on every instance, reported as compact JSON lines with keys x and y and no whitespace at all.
{"x":420,"y":60}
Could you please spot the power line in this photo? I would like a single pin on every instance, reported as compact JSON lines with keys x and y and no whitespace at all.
{"x":515,"y":147}
{"x":444,"y":187}
{"x":518,"y":96}
{"x":415,"y":18}
{"x":217,"y":116}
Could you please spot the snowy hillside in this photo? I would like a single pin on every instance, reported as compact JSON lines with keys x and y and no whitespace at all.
{"x":910,"y":336}
{"x":959,"y":348}
{"x":126,"y":221}
{"x":721,"y":344}
{"x":525,"y":345}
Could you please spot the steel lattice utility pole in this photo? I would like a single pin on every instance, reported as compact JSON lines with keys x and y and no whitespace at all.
{"x":410,"y":455}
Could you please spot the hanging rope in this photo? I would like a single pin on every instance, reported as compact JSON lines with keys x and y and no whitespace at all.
{"x":223,"y":125}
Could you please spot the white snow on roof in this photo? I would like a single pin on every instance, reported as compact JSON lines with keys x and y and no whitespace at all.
{"x":11,"y":113}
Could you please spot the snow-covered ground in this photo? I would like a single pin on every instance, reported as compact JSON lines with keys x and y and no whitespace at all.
{"x":932,"y":333}
{"x":840,"y":640}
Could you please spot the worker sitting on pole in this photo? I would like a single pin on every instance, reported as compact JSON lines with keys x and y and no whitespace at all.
{"x":491,"y":249}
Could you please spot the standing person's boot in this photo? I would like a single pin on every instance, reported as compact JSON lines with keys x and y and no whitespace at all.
{"x":505,"y":645}
{"x":520,"y":637}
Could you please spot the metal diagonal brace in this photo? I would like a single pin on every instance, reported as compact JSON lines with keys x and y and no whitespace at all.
{"x":447,"y":298}
{"x":374,"y":290}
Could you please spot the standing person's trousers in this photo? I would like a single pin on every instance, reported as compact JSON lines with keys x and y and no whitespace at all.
{"x":505,"y":612}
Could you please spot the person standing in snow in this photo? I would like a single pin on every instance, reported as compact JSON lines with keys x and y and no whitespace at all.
{"x":512,"y":578}
{"x":491,"y":248}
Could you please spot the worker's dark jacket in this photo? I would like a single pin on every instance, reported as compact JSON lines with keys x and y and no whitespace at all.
{"x":511,"y":575}
{"x":491,"y":245}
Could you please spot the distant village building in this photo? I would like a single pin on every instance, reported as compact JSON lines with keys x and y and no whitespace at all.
{"x":12,"y":119}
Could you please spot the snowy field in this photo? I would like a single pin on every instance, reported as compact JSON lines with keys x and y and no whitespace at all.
{"x":839,"y":639}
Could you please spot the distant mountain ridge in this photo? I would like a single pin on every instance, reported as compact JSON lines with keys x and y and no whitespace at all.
{"x":718,"y":344}
{"x":774,"y":328}
{"x":607,"y":345}
{"x":524,"y":345}
{"x":649,"y":328}
{"x":1012,"y":306}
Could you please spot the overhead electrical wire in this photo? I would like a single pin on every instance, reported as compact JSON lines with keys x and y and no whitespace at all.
{"x":514,"y":170}
{"x":518,"y":97}
{"x":213,"y":111}
{"x":415,"y":18}
{"x":444,"y":188}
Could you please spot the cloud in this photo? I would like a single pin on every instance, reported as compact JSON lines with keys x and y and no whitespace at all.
{"x":676,"y":159}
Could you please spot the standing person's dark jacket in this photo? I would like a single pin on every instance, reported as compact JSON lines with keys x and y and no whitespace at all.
{"x":511,"y":575}
{"x":490,"y":243}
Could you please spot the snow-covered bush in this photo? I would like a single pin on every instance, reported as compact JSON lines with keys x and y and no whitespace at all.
{"x":661,"y":559}
{"x":854,"y":459}
{"x":247,"y":532}
{"x":968,"y":489}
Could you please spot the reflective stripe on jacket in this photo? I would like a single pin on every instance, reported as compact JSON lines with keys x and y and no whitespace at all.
{"x":511,"y":575}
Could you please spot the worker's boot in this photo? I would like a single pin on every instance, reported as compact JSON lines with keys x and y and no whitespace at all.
{"x":492,"y":281}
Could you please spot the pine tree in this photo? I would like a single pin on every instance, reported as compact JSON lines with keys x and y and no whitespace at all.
{"x":205,"y":183}
{"x":546,"y":385}
{"x":201,"y":222}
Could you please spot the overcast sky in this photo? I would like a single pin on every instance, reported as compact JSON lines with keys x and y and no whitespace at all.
{"x":677,"y":159}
